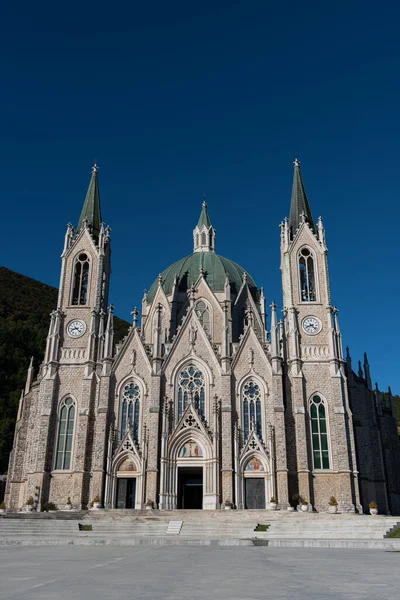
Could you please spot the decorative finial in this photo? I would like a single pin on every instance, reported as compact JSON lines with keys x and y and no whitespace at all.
{"x":111,"y":308}
{"x":296,"y":162}
{"x":201,"y":271}
{"x":204,"y":201}
{"x":135,"y":314}
{"x":95,"y":168}
{"x":160,"y":280}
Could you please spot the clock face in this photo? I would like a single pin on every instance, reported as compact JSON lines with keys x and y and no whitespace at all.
{"x":76,"y":329}
{"x":311,"y":325}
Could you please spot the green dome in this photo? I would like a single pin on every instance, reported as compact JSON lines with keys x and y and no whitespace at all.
{"x":215,"y":267}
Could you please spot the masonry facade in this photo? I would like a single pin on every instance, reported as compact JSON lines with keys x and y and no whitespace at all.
{"x":201,"y":405}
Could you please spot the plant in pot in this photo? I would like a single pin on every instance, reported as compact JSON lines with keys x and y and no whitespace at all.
{"x":273,"y":503}
{"x":227,"y":505}
{"x":49,"y":507}
{"x":30,"y":504}
{"x":96,"y":502}
{"x":373,"y":508}
{"x":333,"y":505}
{"x":68,"y":505}
{"x":304,"y":505}
{"x":2,"y":507}
{"x":293,"y":503}
{"x":149,"y":504}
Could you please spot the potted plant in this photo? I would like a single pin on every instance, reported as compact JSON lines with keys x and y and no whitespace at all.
{"x":49,"y":507}
{"x":68,"y":505}
{"x":273,"y":503}
{"x":304,"y":505}
{"x":30,"y":504}
{"x":96,"y":502}
{"x":2,"y":507}
{"x":373,"y":508}
{"x":295,"y":501}
{"x":227,"y":505}
{"x":333,"y":505}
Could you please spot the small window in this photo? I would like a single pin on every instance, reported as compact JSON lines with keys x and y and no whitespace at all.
{"x":307,"y":276}
{"x":81,"y":280}
{"x":203,"y":314}
{"x":319,"y":433}
{"x":65,"y":434}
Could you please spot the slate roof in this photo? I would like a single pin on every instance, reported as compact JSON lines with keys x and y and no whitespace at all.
{"x":91,"y":208}
{"x":299,"y":203}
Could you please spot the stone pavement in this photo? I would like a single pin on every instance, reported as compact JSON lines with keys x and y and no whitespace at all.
{"x":182,"y":573}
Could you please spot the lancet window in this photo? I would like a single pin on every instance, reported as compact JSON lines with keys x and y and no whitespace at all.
{"x":307,"y":276}
{"x":130,"y":409}
{"x":81,"y":280}
{"x":65,"y":434}
{"x":251,"y":401}
{"x":191,"y":388}
{"x":204,"y":315}
{"x":319,"y":433}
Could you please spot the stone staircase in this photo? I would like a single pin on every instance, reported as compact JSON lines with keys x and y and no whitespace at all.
{"x":124,"y":527}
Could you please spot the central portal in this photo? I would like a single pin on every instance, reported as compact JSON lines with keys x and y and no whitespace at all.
{"x":190,"y":487}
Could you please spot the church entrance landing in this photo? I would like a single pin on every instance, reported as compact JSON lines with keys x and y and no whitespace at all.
{"x":190,"y":487}
{"x":126,"y":492}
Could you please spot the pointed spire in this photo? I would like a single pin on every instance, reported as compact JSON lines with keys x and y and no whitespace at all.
{"x":91,"y":211}
{"x":204,"y":233}
{"x":204,"y":219}
{"x":299,"y":207}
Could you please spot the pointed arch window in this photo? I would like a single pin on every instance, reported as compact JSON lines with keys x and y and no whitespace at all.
{"x":204,"y":315}
{"x":307,"y":276}
{"x":130,"y":409}
{"x":81,"y":280}
{"x":251,"y":401}
{"x":319,"y":433}
{"x":191,"y":388}
{"x":65,"y":434}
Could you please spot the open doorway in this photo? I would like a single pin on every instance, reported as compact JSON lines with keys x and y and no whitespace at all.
{"x":190,"y":487}
{"x":126,"y":492}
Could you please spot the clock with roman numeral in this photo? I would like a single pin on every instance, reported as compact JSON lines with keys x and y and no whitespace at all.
{"x":311,"y":325}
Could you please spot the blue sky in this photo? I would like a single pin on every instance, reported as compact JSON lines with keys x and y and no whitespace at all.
{"x":178,"y":99}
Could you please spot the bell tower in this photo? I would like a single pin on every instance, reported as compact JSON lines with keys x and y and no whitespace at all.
{"x":77,"y":345}
{"x":316,"y":387}
{"x":84,"y":281}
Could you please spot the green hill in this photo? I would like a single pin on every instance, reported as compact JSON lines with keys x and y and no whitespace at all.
{"x":25,"y":306}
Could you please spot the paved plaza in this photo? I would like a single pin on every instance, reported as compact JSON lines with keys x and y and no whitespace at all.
{"x":187,"y":572}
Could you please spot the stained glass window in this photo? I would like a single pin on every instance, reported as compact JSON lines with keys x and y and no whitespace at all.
{"x":191,"y":387}
{"x":81,"y":280}
{"x":130,"y":409}
{"x":307,"y":276}
{"x":65,"y":434}
{"x":251,"y":398}
{"x":319,"y":433}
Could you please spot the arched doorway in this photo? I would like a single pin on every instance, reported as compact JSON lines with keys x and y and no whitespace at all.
{"x":190,"y":476}
{"x":127,"y":488}
{"x":256,"y":484}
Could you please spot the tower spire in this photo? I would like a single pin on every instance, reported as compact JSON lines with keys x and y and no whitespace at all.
{"x":204,"y":233}
{"x":299,"y":205}
{"x":91,"y":211}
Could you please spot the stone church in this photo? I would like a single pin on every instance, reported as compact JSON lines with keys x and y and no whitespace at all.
{"x":203,"y":403}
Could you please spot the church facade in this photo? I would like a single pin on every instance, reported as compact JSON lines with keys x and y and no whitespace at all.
{"x":202,"y":405}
